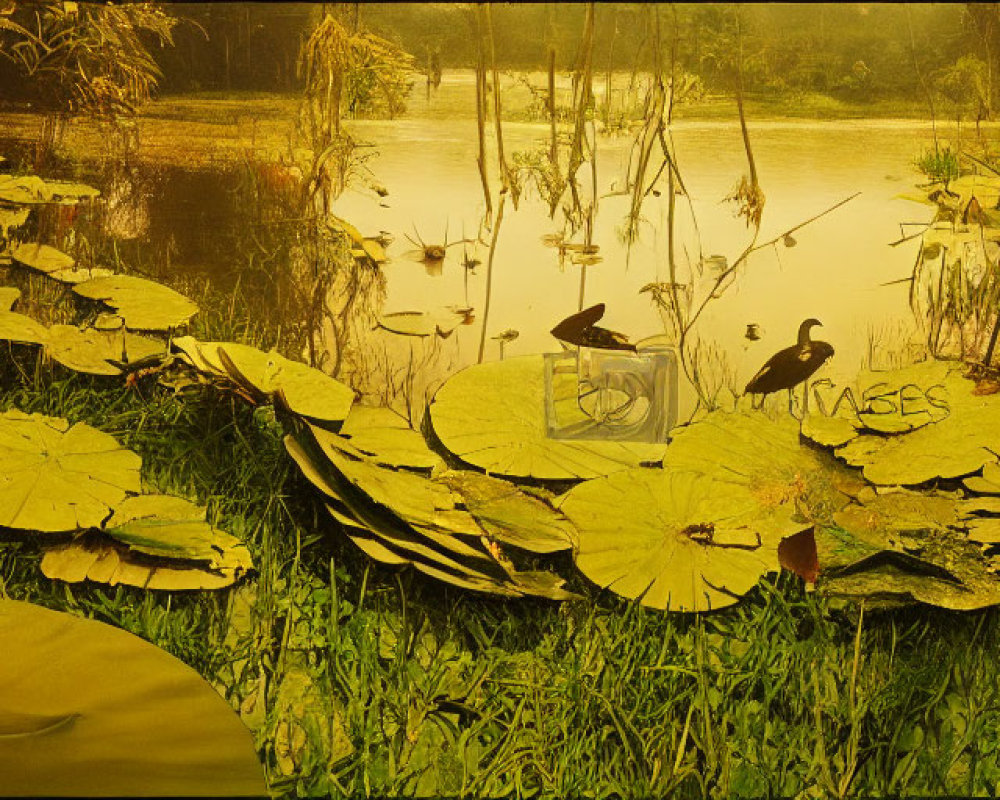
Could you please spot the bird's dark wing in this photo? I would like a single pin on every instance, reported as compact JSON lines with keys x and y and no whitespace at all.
{"x":572,"y":328}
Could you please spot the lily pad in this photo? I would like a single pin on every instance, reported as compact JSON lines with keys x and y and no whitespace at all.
{"x":988,"y":483}
{"x":509,"y":515}
{"x":31,"y":190}
{"x":93,"y":351}
{"x":960,"y":444}
{"x":80,"y":274}
{"x":766,"y":456}
{"x":421,"y":323}
{"x":80,"y":695}
{"x":492,"y":416}
{"x":41,"y":257}
{"x":8,"y":296}
{"x":172,"y":527}
{"x":57,"y":477}
{"x":674,"y":540}
{"x":96,"y":558}
{"x":16,"y":327}
{"x":304,"y":390}
{"x":11,"y":218}
{"x":145,"y":305}
{"x":386,"y":437}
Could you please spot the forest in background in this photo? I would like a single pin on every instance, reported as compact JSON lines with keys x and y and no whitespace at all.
{"x":854,"y":52}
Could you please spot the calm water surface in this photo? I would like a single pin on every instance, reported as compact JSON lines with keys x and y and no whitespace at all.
{"x":427,"y":161}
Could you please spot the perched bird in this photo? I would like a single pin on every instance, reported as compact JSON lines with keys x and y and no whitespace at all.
{"x":791,"y":366}
{"x":581,"y":329}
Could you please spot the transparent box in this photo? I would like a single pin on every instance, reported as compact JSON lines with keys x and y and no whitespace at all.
{"x":611,"y":395}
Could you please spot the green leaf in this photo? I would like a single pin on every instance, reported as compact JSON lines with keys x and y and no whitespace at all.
{"x":421,"y":323}
{"x":80,"y":274}
{"x":145,"y":305}
{"x":8,"y":296}
{"x":89,"y":695}
{"x":41,"y":257}
{"x":16,"y":327}
{"x":302,"y":389}
{"x":674,"y":540}
{"x":54,"y":477}
{"x":509,"y":515}
{"x":493,"y":416}
{"x":94,"y":557}
{"x":168,"y":527}
{"x":92,"y":351}
{"x":388,"y":439}
{"x":766,"y":456}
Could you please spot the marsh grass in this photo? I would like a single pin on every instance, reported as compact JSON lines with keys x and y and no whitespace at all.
{"x":359,"y":680}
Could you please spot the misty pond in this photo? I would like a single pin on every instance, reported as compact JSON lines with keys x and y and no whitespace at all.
{"x":493,"y":400}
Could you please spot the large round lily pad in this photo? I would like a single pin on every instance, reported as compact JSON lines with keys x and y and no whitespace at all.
{"x":766,"y":456}
{"x":493,"y":416}
{"x":57,"y":477}
{"x":41,"y":257}
{"x":145,"y":305}
{"x":91,"y":710}
{"x":99,"y":352}
{"x":674,"y":540}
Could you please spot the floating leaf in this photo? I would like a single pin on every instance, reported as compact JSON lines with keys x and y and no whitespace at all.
{"x":96,"y":558}
{"x":988,"y":483}
{"x":41,"y":257}
{"x":80,"y":274}
{"x":145,"y":305}
{"x":172,"y":527}
{"x":30,"y":190}
{"x":421,"y":323}
{"x":304,"y":390}
{"x":388,"y":439}
{"x":8,"y":296}
{"x":54,"y":477}
{"x":399,"y":517}
{"x":11,"y":218}
{"x":766,"y":456}
{"x":92,"y":351}
{"x":829,"y":431}
{"x":493,"y":416}
{"x":509,"y":515}
{"x":959,"y":444}
{"x":16,"y":327}
{"x":674,"y":540}
{"x":985,"y":530}
{"x":95,"y":711}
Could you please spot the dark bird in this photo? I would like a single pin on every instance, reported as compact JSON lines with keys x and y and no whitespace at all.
{"x":791,"y":366}
{"x":580,"y":329}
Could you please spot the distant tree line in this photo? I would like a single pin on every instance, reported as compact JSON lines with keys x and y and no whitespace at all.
{"x":854,"y":51}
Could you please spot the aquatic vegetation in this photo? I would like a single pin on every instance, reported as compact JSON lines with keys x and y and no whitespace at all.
{"x":492,"y":416}
{"x":421,"y":323}
{"x":143,"y":304}
{"x":81,"y":692}
{"x":57,"y":477}
{"x":101,"y":352}
{"x":679,"y":540}
{"x":42,"y":258}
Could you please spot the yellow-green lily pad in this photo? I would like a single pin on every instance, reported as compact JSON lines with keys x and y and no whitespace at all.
{"x":58,"y":477}
{"x":41,"y":257}
{"x":144,"y":304}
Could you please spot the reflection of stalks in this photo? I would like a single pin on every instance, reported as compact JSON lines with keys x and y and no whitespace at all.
{"x":489,"y":278}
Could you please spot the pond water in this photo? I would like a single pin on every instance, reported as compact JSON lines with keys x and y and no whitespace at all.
{"x":427,"y":160}
{"x":835,"y":272}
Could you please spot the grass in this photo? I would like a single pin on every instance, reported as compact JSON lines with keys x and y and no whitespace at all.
{"x":359,"y":680}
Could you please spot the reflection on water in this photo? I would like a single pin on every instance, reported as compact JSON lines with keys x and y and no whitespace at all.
{"x":195,"y":221}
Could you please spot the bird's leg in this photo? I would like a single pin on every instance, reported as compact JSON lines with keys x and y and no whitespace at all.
{"x":791,"y":402}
